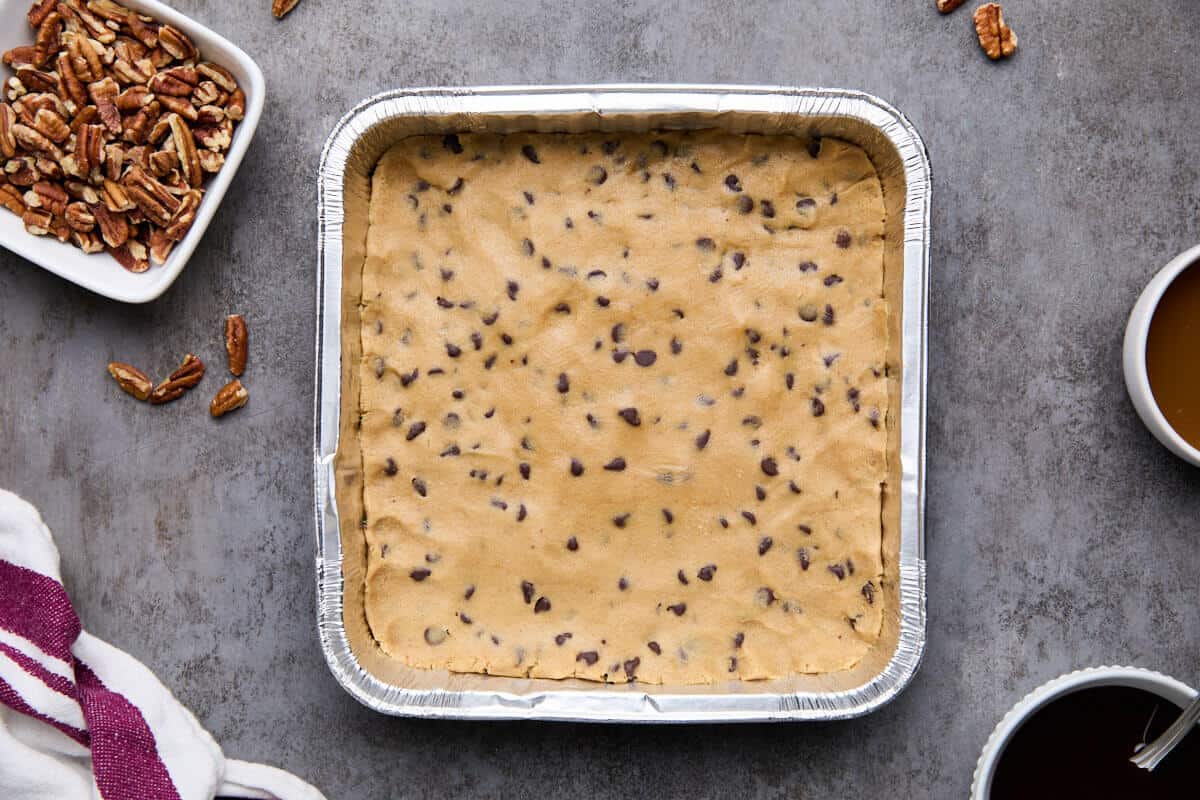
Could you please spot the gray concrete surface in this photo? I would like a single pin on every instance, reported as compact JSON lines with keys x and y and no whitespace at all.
{"x":1060,"y":534}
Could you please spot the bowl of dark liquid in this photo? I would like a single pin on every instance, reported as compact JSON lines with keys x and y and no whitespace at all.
{"x":1072,"y":738}
{"x":1162,"y":356}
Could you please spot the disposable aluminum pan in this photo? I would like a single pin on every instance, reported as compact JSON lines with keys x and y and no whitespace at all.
{"x":350,"y":155}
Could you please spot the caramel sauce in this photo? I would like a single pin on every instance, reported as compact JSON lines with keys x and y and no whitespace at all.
{"x":1173,"y":355}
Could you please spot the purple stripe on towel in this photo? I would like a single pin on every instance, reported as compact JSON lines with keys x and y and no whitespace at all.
{"x":125,"y":758}
{"x":55,"y":681}
{"x":37,"y":607}
{"x":10,"y":698}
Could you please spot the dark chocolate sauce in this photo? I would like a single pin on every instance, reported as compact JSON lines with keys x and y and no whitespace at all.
{"x":1079,"y":746}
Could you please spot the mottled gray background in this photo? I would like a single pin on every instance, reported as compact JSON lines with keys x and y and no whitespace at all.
{"x":1060,"y":535}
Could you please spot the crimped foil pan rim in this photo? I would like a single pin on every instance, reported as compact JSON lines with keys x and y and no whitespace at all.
{"x":632,"y":704}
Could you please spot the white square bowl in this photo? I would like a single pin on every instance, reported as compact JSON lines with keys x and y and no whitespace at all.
{"x":100,"y":272}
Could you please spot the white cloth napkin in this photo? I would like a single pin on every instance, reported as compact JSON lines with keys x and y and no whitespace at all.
{"x":82,"y":720}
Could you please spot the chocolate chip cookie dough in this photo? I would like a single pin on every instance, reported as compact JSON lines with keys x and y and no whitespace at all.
{"x":623,"y":405}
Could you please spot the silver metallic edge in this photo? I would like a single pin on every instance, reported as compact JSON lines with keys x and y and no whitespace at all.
{"x":608,"y":706}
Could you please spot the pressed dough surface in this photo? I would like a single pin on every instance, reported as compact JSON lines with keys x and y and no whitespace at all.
{"x":623,"y":405}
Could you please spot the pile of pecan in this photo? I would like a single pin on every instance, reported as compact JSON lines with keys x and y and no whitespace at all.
{"x":108,"y":128}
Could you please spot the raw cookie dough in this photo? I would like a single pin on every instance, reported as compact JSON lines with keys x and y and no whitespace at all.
{"x":623,"y":405}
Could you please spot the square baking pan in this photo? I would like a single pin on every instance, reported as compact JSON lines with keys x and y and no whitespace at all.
{"x":100,"y":272}
{"x":347,"y":162}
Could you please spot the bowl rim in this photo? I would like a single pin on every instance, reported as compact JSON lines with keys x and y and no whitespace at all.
{"x":1164,"y":686}
{"x":43,"y":252}
{"x":1137,"y":334}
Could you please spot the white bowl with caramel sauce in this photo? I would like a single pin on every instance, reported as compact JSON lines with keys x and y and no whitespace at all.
{"x":1162,"y":356}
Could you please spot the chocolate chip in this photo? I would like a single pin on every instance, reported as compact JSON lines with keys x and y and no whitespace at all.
{"x":827,"y":317}
{"x":682,"y":577}
{"x":437,"y":371}
{"x":745,"y":204}
{"x":829,"y":359}
{"x":731,"y":368}
{"x":602,"y":301}
{"x":469,"y":592}
{"x":764,"y":596}
{"x":678,"y":609}
{"x":850,"y":566}
{"x":422,"y":186}
{"x":676,"y":346}
{"x":572,"y":543}
{"x":767,"y":208}
{"x":576,"y":467}
{"x":619,"y":355}
{"x":706,"y":572}
{"x":620,"y":520}
{"x":769,"y":467}
{"x":843,"y":239}
{"x":705,"y":243}
{"x":419,"y":485}
{"x":852,"y":394}
{"x":569,"y":223}
{"x":715,"y":276}
{"x":739,"y":259}
{"x":563,"y":308}
{"x":477,"y":340}
{"x":832,"y":280}
{"x":490,"y":361}
{"x":541,"y":606}
{"x":398,"y":418}
{"x":415,"y":430}
{"x":408,"y":377}
{"x":818,"y":407}
{"x":631,"y":666}
{"x":618,"y":332}
{"x":450,"y":142}
{"x":497,"y":502}
{"x":838,"y":570}
{"x":561,"y":639}
{"x":379,"y":367}
{"x":802,"y":557}
{"x":435,"y":636}
{"x":814,"y":146}
{"x":623,"y":583}
{"x":512,"y":287}
{"x":527,"y":590}
{"x":521,"y":512}
{"x":752,"y":421}
{"x":749,"y":517}
{"x":490,"y":319}
{"x":466,"y":620}
{"x":389,"y":467}
{"x":760,"y":493}
{"x":611,"y":146}
{"x":449,"y":209}
{"x":593,"y":422}
{"x":732,"y":183}
{"x":490,"y":413}
{"x":530,"y":153}
{"x":668,"y":516}
{"x":616,"y":465}
{"x":669,"y":180}
{"x":764,"y":544}
{"x":453,"y":350}
{"x":652,"y":284}
{"x":739,"y":391}
{"x":597,"y":175}
{"x":455,"y":188}
{"x":631,"y":416}
{"x":444,"y":303}
{"x":589,"y":657}
{"x":645,"y":358}
{"x":795,"y":489}
{"x":739,"y":638}
{"x":528,"y":197}
{"x":564,"y":383}
{"x":654,"y":648}
{"x":419,"y":574}
{"x":733,"y":664}
{"x":868,"y":591}
{"x":527,"y":247}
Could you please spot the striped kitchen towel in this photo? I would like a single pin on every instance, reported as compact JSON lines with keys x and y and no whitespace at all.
{"x":80,"y":719}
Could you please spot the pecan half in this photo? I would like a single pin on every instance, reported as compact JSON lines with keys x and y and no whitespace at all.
{"x":189,"y":373}
{"x":48,"y":196}
{"x":236,"y":343}
{"x":38,"y":221}
{"x":104,"y":94}
{"x":281,"y":8}
{"x":51,"y":125}
{"x":176,"y":43}
{"x":114,"y":229}
{"x":35,"y":142}
{"x":10,"y":198}
{"x":131,"y":379}
{"x":183,"y":217}
{"x":231,"y":396}
{"x":39,"y":11}
{"x":185,"y":148}
{"x":946,"y":6}
{"x":8,"y":140}
{"x":19,"y":56}
{"x":79,"y":217}
{"x":160,"y":245}
{"x":131,"y":256}
{"x":995,"y":37}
